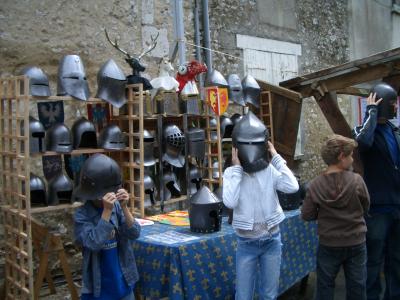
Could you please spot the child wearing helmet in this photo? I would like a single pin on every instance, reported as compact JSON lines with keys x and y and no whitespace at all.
{"x":105,"y":228}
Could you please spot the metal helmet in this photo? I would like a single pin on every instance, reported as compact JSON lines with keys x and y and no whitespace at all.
{"x":215,"y":170}
{"x":250,"y":137}
{"x":84,"y":134}
{"x":205,"y":212}
{"x":38,"y":81}
{"x":235,"y":89}
{"x":72,"y":78}
{"x":99,"y":175}
{"x":59,"y":139}
{"x":174,"y":142}
{"x":149,"y":190}
{"x":226,"y":126}
{"x":216,"y":79}
{"x":213,"y":133}
{"x":386,"y":109}
{"x":251,"y":91}
{"x":38,"y":190}
{"x":37,"y":135}
{"x":196,"y":142}
{"x":219,"y":193}
{"x":195,"y":179}
{"x":60,"y":189}
{"x":148,"y":149}
{"x":111,"y":83}
{"x":111,"y":138}
{"x":171,"y":185}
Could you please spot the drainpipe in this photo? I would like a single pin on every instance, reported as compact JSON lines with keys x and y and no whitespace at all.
{"x":179,"y":30}
{"x":206,"y":29}
{"x":196,"y":30}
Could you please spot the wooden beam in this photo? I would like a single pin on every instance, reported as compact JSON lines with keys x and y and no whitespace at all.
{"x":353,"y":91}
{"x":265,"y":86}
{"x":330,"y":109}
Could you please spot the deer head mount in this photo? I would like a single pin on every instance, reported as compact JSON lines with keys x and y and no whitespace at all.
{"x":134,"y":61}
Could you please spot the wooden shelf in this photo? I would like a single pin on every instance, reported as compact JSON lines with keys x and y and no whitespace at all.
{"x":78,"y":152}
{"x":55,"y":207}
{"x":173,"y":200}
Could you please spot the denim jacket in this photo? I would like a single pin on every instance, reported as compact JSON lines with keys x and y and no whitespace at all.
{"x":240,"y":188}
{"x":91,"y":232}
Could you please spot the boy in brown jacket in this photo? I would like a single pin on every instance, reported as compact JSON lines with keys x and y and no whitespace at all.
{"x":338,"y":200}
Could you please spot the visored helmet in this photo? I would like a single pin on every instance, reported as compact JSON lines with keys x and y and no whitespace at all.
{"x":205,"y":213}
{"x":149,"y":190}
{"x":386,"y":109}
{"x":226,"y":126}
{"x":195,"y":179}
{"x":72,"y":78}
{"x":60,"y":189}
{"x":216,"y":79}
{"x":111,"y":138}
{"x":84,"y":134}
{"x":99,"y":175}
{"x":235,"y":89}
{"x":250,"y":137}
{"x":148,"y":145}
{"x":174,"y":142}
{"x":38,"y":190}
{"x":59,"y":139}
{"x":111,"y":84}
{"x":38,"y":81}
{"x":171,"y":185}
{"x":37,"y":135}
{"x":251,"y":91}
{"x":213,"y":127}
{"x":196,"y":142}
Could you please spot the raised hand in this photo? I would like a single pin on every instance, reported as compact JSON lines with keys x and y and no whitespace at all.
{"x":235,"y":157}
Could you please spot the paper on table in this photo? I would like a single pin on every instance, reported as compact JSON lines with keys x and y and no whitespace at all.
{"x":143,"y":222}
{"x":171,"y":237}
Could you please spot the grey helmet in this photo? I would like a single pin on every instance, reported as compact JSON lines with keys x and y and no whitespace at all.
{"x":60,"y":190}
{"x":250,"y":137}
{"x":99,"y":175}
{"x":226,"y":126}
{"x":38,"y":81}
{"x":235,"y":118}
{"x":149,"y":190}
{"x":37,"y":135}
{"x":215,"y":78}
{"x":213,"y":127}
{"x":111,"y":83}
{"x":251,"y":91}
{"x":111,"y":138}
{"x":174,"y":142}
{"x":38,"y":190}
{"x":215,"y":170}
{"x":148,"y":145}
{"x":386,"y":109}
{"x":195,"y":179}
{"x":170,"y":185}
{"x":196,"y":142}
{"x":84,"y":134}
{"x":72,"y":78}
{"x":235,"y":89}
{"x":205,"y":212}
{"x":59,"y":138}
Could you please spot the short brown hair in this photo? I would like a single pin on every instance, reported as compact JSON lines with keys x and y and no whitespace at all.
{"x":334,"y":146}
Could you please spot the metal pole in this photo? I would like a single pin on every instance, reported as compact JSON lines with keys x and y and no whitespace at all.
{"x":179,"y":30}
{"x":206,"y":29}
{"x":196,"y":30}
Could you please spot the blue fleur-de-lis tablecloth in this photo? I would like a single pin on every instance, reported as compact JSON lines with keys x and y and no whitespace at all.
{"x":204,"y":268}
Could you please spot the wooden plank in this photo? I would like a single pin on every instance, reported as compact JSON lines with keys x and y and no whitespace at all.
{"x":56,"y":207}
{"x":265,"y":86}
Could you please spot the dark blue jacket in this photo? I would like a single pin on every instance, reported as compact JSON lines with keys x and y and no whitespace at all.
{"x":381,"y":173}
{"x":91,"y":232}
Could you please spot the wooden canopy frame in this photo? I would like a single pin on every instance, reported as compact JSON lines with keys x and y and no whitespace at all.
{"x":324,"y":85}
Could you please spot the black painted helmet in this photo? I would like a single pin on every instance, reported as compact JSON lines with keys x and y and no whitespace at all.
{"x":60,"y":190}
{"x":59,"y":139}
{"x":111,"y":138}
{"x":38,"y":190}
{"x":386,"y":108}
{"x":38,"y":81}
{"x":99,"y":175}
{"x":84,"y":134}
{"x":37,"y":135}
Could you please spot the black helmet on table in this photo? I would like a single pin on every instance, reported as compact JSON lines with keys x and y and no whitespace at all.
{"x":205,"y":213}
{"x":59,"y":139}
{"x":60,"y":190}
{"x":38,"y":81}
{"x":84,"y":134}
{"x":111,"y":138}
{"x":72,"y":78}
{"x":99,"y":175}
{"x":111,"y":83}
{"x":386,"y":109}
{"x":250,"y":137}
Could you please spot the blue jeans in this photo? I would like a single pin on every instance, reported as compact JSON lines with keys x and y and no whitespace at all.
{"x":263,"y":253}
{"x":330,"y":259}
{"x":383,"y":246}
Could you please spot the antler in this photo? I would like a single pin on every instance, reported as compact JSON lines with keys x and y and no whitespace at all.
{"x":151,"y":47}
{"x":115,"y":44}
